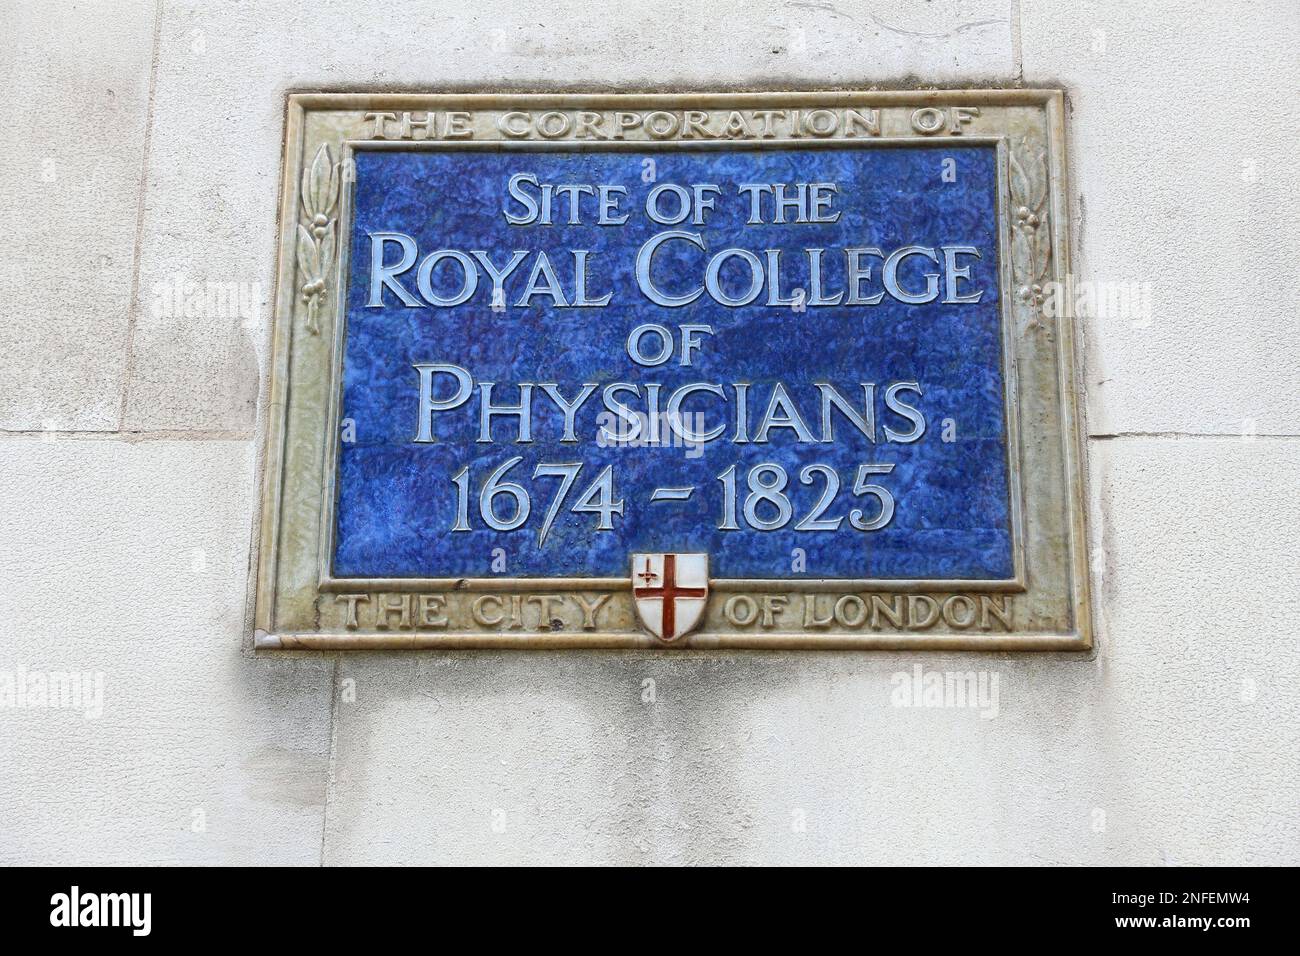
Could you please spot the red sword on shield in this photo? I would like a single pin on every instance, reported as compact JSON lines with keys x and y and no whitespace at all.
{"x":670,"y":592}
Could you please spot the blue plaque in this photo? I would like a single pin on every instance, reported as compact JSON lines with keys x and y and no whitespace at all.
{"x":788,"y":358}
{"x":710,"y":370}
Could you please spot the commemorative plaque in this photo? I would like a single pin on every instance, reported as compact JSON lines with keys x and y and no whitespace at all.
{"x":673,"y":371}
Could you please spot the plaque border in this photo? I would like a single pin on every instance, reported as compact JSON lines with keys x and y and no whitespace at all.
{"x":269,"y":542}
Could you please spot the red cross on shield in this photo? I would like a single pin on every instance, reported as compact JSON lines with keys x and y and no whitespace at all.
{"x":670,"y":591}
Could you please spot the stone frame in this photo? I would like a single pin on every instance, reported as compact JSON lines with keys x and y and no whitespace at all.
{"x":1045,"y":606}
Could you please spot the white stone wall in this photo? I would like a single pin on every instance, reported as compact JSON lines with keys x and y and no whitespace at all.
{"x":143,"y":143}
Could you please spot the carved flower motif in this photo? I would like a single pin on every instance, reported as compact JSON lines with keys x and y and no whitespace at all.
{"x":1026,"y":217}
{"x":1032,"y":294}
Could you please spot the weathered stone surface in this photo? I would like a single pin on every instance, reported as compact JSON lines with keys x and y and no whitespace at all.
{"x":76,"y":82}
{"x":1196,"y":709}
{"x":130,"y":560}
{"x":1184,"y":178}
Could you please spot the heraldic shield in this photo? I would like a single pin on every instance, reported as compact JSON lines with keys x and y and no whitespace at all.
{"x":670,"y":591}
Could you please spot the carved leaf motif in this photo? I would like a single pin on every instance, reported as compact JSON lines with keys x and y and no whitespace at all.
{"x":1022,"y":255}
{"x":1019,"y":183}
{"x":326,"y":250}
{"x":1031,"y":243}
{"x":322,"y":181}
{"x":305,"y":194}
{"x":1029,"y":179}
{"x":316,"y":238}
{"x":333,"y":197}
{"x":308,"y":257}
{"x":1037,"y":188}
{"x":1042,"y":247}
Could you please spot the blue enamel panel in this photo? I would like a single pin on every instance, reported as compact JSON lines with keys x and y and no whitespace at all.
{"x":397,"y":501}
